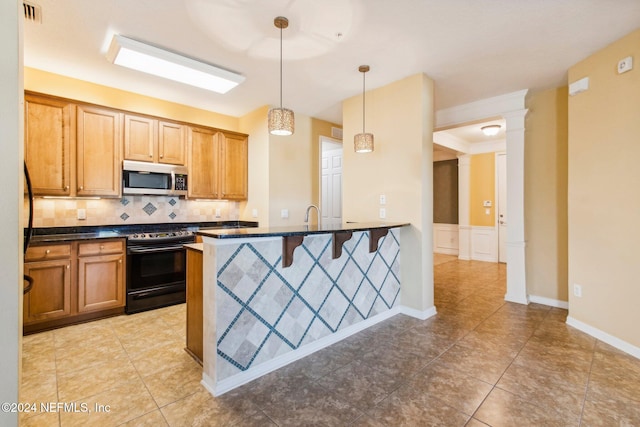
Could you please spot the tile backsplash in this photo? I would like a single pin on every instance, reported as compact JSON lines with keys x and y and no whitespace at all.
{"x":129,"y":210}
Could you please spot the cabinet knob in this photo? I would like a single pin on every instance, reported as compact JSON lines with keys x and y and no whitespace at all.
{"x":101,"y":247}
{"x":48,"y":251}
{"x":66,"y":187}
{"x":162,"y":156}
{"x":68,"y":266}
{"x":150,"y":155}
{"x":81,"y":188}
{"x":119,"y":261}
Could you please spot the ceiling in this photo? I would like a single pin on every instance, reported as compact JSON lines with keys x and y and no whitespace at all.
{"x":472,"y":49}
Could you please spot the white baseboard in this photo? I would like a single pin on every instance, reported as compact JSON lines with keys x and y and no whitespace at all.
{"x":549,"y":301}
{"x":422,"y":315}
{"x":251,"y":374}
{"x":604,"y":337}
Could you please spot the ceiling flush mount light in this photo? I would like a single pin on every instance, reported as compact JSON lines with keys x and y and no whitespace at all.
{"x":491,"y":130}
{"x":152,"y":60}
{"x":281,"y":120}
{"x":363,"y":142}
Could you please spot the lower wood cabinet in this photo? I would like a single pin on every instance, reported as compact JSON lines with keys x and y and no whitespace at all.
{"x":74,"y":282}
{"x":194,"y":301}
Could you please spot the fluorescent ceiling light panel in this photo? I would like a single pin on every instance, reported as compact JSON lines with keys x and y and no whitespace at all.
{"x":152,"y":60}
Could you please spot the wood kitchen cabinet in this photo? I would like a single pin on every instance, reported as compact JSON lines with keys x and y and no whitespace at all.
{"x":218,"y":164}
{"x":151,"y":140}
{"x":74,"y":282}
{"x":204,"y":152}
{"x":50,"y":297}
{"x":101,"y":275}
{"x":48,"y":135}
{"x":99,"y":142}
{"x":194,"y":301}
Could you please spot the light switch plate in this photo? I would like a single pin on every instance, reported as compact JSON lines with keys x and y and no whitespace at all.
{"x":254,"y":213}
{"x":383,"y":213}
{"x":383,"y":199}
{"x":284,"y":213}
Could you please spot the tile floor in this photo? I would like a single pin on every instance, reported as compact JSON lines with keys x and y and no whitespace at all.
{"x":479,"y":362}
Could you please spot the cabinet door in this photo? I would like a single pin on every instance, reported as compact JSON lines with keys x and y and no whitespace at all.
{"x":233,"y":166}
{"x":99,"y":146}
{"x":171,"y":143}
{"x":50,"y":297}
{"x":140,"y":136}
{"x":100,"y":282}
{"x":203,"y":163}
{"x":47,"y":148}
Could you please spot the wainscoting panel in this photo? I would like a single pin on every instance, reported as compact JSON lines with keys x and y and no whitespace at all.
{"x":484,"y":244}
{"x":445,"y":239}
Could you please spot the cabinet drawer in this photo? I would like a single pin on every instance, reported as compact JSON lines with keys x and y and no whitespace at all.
{"x":46,"y":252}
{"x":101,"y":247}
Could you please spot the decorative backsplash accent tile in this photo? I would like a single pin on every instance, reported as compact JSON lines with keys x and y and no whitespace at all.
{"x":129,"y":210}
{"x":265,"y":310}
{"x":172,"y":215}
{"x":149,"y":209}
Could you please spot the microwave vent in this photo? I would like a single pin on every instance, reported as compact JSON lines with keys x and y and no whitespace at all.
{"x":336,"y":133}
{"x":32,"y":12}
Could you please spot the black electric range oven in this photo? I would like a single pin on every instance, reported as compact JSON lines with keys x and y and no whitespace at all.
{"x":156,"y":269}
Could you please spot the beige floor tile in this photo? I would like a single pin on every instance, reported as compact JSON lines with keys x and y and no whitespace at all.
{"x":39,"y":386}
{"x":202,"y":409}
{"x":135,"y":344}
{"x":160,"y":358}
{"x":69,"y":358}
{"x":125,"y":402}
{"x":84,"y":383}
{"x":151,"y":419}
{"x":98,"y":333}
{"x":175,"y":382}
{"x":44,"y":419}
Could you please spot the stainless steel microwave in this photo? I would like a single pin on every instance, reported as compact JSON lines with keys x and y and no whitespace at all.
{"x":153,"y":178}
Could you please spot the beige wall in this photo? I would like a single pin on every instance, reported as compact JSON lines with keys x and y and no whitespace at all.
{"x":400,"y":115}
{"x":318,"y":128}
{"x":67,"y":87}
{"x":545,"y":193}
{"x":255,"y":124}
{"x":604,"y":192}
{"x":482,"y":186}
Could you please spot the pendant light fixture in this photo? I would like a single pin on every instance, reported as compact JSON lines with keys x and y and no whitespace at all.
{"x":281,"y":120}
{"x":363,"y":142}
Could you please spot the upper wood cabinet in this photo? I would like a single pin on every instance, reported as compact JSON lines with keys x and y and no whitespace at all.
{"x":234,"y":154}
{"x":151,"y":140}
{"x":99,"y":142}
{"x":218,"y":164}
{"x":203,"y":163}
{"x":48,"y":135}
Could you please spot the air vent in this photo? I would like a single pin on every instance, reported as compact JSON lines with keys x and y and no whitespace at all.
{"x":336,"y":133}
{"x":32,"y":12}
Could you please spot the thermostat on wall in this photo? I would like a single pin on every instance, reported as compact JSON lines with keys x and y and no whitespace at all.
{"x":486,"y":203}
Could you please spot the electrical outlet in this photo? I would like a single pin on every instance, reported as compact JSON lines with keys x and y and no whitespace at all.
{"x":284,"y":213}
{"x":82,"y":214}
{"x":254,"y":213}
{"x":577,"y":290}
{"x":217,"y":212}
{"x":383,"y":213}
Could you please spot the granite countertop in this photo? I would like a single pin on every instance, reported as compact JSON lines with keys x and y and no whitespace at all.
{"x":66,"y":234}
{"x":299,"y":230}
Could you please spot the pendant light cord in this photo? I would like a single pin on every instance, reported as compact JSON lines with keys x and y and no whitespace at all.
{"x":281,"y":67}
{"x":363,"y":110}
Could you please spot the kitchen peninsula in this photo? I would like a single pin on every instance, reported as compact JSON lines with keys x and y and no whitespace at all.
{"x":275,"y":295}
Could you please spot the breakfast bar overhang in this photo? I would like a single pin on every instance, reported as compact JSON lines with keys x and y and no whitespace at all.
{"x":275,"y":295}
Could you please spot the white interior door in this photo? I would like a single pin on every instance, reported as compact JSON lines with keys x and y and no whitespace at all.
{"x":331,"y":185}
{"x":501,"y":210}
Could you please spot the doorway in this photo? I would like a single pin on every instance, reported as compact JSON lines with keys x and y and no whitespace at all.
{"x":501,"y":209}
{"x":331,"y":180}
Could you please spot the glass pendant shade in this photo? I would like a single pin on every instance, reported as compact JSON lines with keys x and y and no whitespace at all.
{"x":281,"y":121}
{"x":363,"y":143}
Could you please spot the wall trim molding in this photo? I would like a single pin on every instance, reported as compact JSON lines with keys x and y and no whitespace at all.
{"x":605,"y":337}
{"x":446,"y":238}
{"x":251,"y":374}
{"x":480,"y":110}
{"x":418,"y":314}
{"x":549,"y":301}
{"x":484,"y":243}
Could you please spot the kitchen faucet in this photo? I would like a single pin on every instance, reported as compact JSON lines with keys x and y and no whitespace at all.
{"x":306,"y":216}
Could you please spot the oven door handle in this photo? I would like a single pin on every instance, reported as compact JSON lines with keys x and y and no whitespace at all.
{"x":147,"y":250}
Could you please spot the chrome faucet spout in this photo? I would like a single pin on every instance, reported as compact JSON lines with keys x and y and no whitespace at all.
{"x":306,"y":215}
